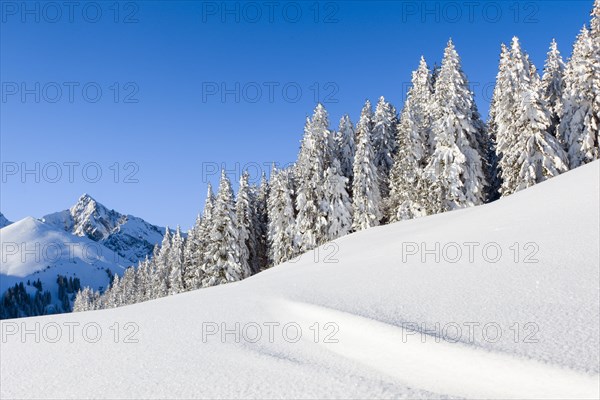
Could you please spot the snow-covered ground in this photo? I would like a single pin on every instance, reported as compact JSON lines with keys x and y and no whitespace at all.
{"x":34,"y":250}
{"x":517,"y":278}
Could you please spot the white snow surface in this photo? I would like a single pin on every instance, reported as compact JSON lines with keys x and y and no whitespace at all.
{"x":32,"y":249}
{"x":361,"y":285}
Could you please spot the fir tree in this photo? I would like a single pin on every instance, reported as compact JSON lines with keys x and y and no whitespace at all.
{"x":536,"y":80}
{"x":222,"y":256}
{"x":245,"y":218}
{"x":160,"y":277}
{"x":493,"y":176}
{"x":501,"y":100}
{"x":455,"y":169}
{"x":580,"y":119}
{"x":192,"y":257}
{"x":144,"y":279}
{"x":153,"y":277}
{"x":203,"y":234}
{"x":206,"y":222}
{"x":176,"y":264}
{"x":527,"y":153}
{"x":365,"y":186}
{"x":113,"y":295}
{"x":553,"y":87}
{"x":407,"y":195}
{"x":595,"y":23}
{"x":337,"y":202}
{"x":128,"y":286}
{"x":283,"y":240}
{"x":346,"y":146}
{"x":261,"y":225}
{"x":385,"y":123}
{"x":313,"y":160}
{"x":83,"y":300}
{"x":435,"y":72}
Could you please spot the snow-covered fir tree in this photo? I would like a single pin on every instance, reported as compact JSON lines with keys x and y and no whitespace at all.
{"x":595,"y":35}
{"x":595,"y":23}
{"x":313,"y":160}
{"x":385,"y":122}
{"x":113,"y":294}
{"x":536,"y":80}
{"x":435,"y":72}
{"x":244,"y":213}
{"x":282,"y":233}
{"x":413,"y":132}
{"x":337,"y":202}
{"x":486,"y":147}
{"x":206,"y":220}
{"x":81,"y":302}
{"x":346,"y":146}
{"x":176,"y":263}
{"x":455,"y":170}
{"x":222,"y":253}
{"x":502,"y":97}
{"x":527,"y":152}
{"x":261,"y":224}
{"x":85,"y":300}
{"x":152,"y":276}
{"x":553,"y":87}
{"x":144,"y":278}
{"x":129,"y":287}
{"x":365,"y":186}
{"x":162,"y":270}
{"x":580,"y":119}
{"x":203,"y":233}
{"x":192,"y":257}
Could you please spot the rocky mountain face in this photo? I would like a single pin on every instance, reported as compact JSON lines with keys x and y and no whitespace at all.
{"x":130,"y":237}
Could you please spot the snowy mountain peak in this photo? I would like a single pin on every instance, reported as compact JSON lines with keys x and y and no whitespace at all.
{"x":129,"y":236}
{"x":3,"y":221}
{"x":93,"y":220}
{"x":85,"y":199}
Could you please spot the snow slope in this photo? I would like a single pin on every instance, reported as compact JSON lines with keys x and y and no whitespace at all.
{"x":129,"y":236}
{"x":32,"y":249}
{"x":382,"y":300}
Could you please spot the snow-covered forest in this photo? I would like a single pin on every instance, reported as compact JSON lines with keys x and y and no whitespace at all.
{"x":436,"y":155}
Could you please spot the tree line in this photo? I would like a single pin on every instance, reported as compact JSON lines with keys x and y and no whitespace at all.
{"x":17,"y":301}
{"x":436,"y":155}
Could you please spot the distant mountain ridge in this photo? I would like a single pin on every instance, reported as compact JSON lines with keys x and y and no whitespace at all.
{"x":3,"y":221}
{"x":129,"y":236}
{"x":84,"y":245}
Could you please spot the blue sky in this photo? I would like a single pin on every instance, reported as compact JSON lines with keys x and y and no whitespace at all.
{"x":156,"y":96}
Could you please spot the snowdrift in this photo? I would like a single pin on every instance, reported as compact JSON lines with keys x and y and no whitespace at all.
{"x":497,"y":301}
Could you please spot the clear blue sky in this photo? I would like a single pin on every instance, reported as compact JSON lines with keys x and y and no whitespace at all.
{"x":169,"y":61}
